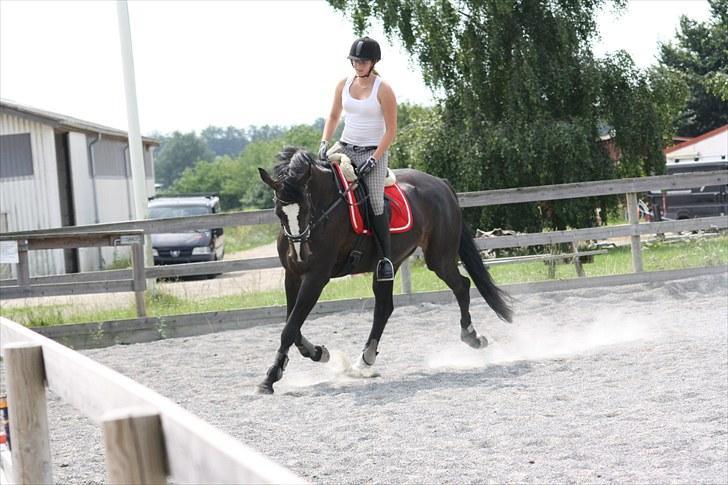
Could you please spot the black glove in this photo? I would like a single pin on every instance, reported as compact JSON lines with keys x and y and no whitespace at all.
{"x":323,"y":148}
{"x":366,"y":167}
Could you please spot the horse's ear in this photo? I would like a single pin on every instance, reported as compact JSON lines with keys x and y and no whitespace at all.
{"x":265,"y":176}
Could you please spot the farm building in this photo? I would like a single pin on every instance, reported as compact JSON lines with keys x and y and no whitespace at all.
{"x":708,"y":147}
{"x":60,"y":171}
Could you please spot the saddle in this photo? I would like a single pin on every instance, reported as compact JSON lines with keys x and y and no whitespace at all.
{"x":400,"y":213}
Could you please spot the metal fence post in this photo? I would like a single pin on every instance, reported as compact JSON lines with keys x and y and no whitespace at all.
{"x":28,"y":413}
{"x":634,"y":220}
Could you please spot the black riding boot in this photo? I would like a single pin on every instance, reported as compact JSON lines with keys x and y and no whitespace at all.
{"x":385,"y":268}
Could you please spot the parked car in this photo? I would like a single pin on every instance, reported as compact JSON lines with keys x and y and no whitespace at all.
{"x":186,"y":246}
{"x":704,"y":201}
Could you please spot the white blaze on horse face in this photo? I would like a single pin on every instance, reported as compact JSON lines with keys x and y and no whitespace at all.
{"x":291,"y":211}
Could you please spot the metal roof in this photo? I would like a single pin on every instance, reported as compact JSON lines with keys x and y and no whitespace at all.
{"x":62,"y":121}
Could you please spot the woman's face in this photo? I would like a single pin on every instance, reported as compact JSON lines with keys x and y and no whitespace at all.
{"x":362,"y":67}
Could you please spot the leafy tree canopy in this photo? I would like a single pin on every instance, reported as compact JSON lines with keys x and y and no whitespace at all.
{"x":236,"y":179}
{"x":523,"y":102}
{"x":177,"y":153}
{"x":699,"y":56}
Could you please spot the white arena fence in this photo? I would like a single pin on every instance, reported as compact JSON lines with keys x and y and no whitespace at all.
{"x":147,"y":437}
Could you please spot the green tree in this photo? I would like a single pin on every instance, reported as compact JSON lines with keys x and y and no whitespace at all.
{"x":523,"y":99}
{"x":700,"y":56}
{"x":236,"y":179}
{"x":225,"y":141}
{"x":177,"y":153}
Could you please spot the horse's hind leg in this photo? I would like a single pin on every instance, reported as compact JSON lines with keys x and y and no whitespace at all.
{"x":447,"y":270}
{"x":383,"y":308}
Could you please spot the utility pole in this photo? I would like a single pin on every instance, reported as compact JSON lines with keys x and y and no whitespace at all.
{"x":136,"y":152}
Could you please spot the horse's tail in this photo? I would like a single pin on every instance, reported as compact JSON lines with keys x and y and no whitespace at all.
{"x":498,"y":299}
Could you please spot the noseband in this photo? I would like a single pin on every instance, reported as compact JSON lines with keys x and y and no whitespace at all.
{"x":303,"y":236}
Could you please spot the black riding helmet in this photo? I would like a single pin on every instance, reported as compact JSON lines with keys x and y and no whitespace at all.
{"x":365,"y":49}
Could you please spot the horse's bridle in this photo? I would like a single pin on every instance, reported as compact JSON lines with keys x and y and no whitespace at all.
{"x":306,"y":234}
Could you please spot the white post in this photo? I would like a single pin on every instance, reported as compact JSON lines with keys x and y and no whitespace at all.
{"x":134,"y":446}
{"x":28,"y":413}
{"x":404,"y":270}
{"x":634,"y":220}
{"x":136,"y":150}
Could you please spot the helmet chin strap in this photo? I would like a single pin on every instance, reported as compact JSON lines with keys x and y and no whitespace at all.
{"x":369,"y":73}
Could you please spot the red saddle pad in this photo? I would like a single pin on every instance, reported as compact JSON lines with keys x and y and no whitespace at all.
{"x":400,"y":218}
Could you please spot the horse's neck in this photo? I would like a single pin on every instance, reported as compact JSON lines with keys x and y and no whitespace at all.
{"x":322,"y":186}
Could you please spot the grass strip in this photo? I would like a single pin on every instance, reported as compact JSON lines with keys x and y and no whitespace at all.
{"x":656,"y":256}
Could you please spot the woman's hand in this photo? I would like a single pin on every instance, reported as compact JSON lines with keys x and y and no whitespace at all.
{"x":367,"y":166}
{"x":323,"y":148}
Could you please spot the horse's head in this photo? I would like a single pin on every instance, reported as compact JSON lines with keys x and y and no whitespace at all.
{"x":292,"y":197}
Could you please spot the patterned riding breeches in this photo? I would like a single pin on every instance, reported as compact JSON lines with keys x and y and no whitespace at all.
{"x":374,"y":179}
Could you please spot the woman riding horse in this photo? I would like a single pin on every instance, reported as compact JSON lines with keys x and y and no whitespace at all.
{"x":316,"y":242}
{"x":370,"y":125}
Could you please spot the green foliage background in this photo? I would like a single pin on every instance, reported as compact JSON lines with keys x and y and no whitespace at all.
{"x":235,"y":178}
{"x":699,"y":57}
{"x":523,"y":101}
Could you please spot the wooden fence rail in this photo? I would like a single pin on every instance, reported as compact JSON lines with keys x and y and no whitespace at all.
{"x":194,"y":451}
{"x":467,"y":199}
{"x":114,"y":280}
{"x":25,"y":289}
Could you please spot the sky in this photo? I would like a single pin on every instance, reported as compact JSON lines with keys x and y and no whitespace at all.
{"x":231,"y":63}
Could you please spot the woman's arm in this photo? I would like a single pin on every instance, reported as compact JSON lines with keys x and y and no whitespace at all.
{"x":388,"y":102}
{"x":335,"y":115}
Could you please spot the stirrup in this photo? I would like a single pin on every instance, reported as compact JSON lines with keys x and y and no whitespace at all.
{"x":385,"y":270}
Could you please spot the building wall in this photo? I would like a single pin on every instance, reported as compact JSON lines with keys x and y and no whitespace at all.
{"x":83,"y":196}
{"x":708,"y":149}
{"x":32,"y":202}
{"x":29,"y":202}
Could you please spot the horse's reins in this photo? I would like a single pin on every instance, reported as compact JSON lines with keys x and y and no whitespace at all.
{"x":304,"y":236}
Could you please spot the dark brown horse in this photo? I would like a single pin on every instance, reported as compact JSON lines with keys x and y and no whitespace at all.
{"x":316,"y":242}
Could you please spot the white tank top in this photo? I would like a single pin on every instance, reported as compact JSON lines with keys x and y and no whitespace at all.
{"x":363,"y":118}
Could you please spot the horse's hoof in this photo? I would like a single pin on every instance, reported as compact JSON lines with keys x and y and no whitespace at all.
{"x":325,"y":355}
{"x":265,"y":388}
{"x":362,"y":369}
{"x":474,"y":341}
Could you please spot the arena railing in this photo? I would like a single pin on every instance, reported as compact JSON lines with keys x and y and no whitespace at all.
{"x":147,"y":437}
{"x":629,"y":186}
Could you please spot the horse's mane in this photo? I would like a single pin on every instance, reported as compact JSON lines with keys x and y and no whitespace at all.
{"x":293,"y":164}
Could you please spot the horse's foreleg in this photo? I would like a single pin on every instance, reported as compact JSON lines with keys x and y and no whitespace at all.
{"x":308,"y":294}
{"x":292,"y":284}
{"x":317,"y":353}
{"x":383,"y":308}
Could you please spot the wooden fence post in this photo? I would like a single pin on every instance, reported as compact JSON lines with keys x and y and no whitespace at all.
{"x":134,"y":447}
{"x":28,"y":413}
{"x":406,"y":273}
{"x":634,"y":219}
{"x":140,"y":283}
{"x":23,"y":264}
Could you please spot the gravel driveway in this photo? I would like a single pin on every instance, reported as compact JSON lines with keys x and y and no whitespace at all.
{"x":626,"y":384}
